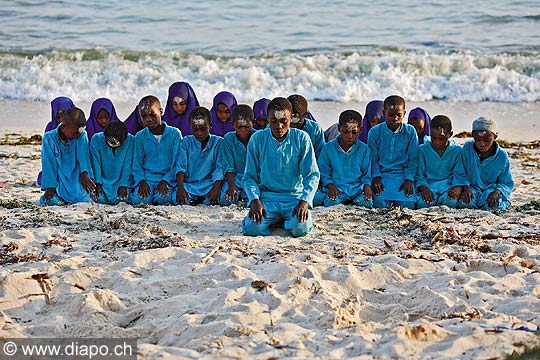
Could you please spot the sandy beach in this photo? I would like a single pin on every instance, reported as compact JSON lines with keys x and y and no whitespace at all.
{"x":386,"y":284}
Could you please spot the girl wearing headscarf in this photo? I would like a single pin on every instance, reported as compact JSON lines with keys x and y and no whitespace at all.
{"x":102,"y":113}
{"x":58,"y":106}
{"x":180,"y":102}
{"x":224,"y":103}
{"x":373,"y":116}
{"x":260,"y":112}
{"x":134,"y":122}
{"x":420,"y":119}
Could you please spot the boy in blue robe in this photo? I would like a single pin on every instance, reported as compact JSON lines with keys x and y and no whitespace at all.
{"x":198,"y":174}
{"x":111,"y":152}
{"x":234,"y":152}
{"x":66,"y":163}
{"x":394,"y":157}
{"x":281,"y":175}
{"x":487,"y":169}
{"x":155,"y":152}
{"x":437,"y":181}
{"x":300,"y":121}
{"x":345,"y":166}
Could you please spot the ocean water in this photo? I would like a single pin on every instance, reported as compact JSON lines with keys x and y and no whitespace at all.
{"x":343,"y":52}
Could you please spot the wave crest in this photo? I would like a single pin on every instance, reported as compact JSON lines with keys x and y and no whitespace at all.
{"x":353,"y":76}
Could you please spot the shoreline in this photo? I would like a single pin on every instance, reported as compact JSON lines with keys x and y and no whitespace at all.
{"x":516,"y":122}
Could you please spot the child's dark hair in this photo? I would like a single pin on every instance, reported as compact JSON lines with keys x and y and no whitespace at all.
{"x":394,"y":100}
{"x":442,"y":122}
{"x":299,"y":104}
{"x":278,"y":104}
{"x":349,"y":116}
{"x":200,"y":112}
{"x":242,"y":111}
{"x":117,"y":130}
{"x":75,"y":116}
{"x":149,"y":101}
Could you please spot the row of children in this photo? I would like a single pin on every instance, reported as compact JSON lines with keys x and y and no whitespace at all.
{"x":167,"y":169}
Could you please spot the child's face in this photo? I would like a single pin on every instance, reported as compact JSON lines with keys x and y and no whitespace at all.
{"x":280,"y":122}
{"x":349,"y":132}
{"x":200,"y":128}
{"x":179,"y":105}
{"x":439,"y":138}
{"x":394,"y":116}
{"x":297,"y":120}
{"x":419,"y":125}
{"x":223,"y":112}
{"x":71,"y":131}
{"x":60,"y":116}
{"x":151,"y":116}
{"x":261,"y":122}
{"x":243,"y":128}
{"x":374,"y":121}
{"x":103,"y":118}
{"x":484,"y":140}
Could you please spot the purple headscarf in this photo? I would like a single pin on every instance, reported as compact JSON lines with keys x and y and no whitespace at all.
{"x":92,"y":125}
{"x":310,"y":116}
{"x":218,"y":127}
{"x":373,"y":108}
{"x":60,"y":103}
{"x":134,"y":121}
{"x":184,"y":91}
{"x":419,"y":113}
{"x":260,"y":110}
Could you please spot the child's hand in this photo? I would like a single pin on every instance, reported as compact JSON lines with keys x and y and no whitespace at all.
{"x":333,"y":192}
{"x":122,"y":193}
{"x":301,"y":211}
{"x":454,"y":193}
{"x":181,"y":195}
{"x":144,"y":189}
{"x":49,"y":194}
{"x":377,"y":185}
{"x":257,"y":211}
{"x":493,"y":198}
{"x":232,"y":193}
{"x":427,"y":195}
{"x":408,"y":188}
{"x":87,"y":183}
{"x":213,"y":194}
{"x":466,"y":195}
{"x":163,"y":188}
{"x":98,"y":191}
{"x":367,"y":192}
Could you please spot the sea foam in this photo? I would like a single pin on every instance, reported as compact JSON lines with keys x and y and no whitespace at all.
{"x":354,"y":76}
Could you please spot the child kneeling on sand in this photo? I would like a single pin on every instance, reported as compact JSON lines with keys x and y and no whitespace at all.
{"x":198,"y":174}
{"x":233,"y":154}
{"x":154,"y":156}
{"x":345,"y":166}
{"x":487,"y":169}
{"x":284,"y":161}
{"x":111,"y":152}
{"x":437,"y":181}
{"x":394,"y":157}
{"x":66,"y":163}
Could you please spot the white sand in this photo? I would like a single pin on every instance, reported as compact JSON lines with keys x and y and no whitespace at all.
{"x":426,"y":284}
